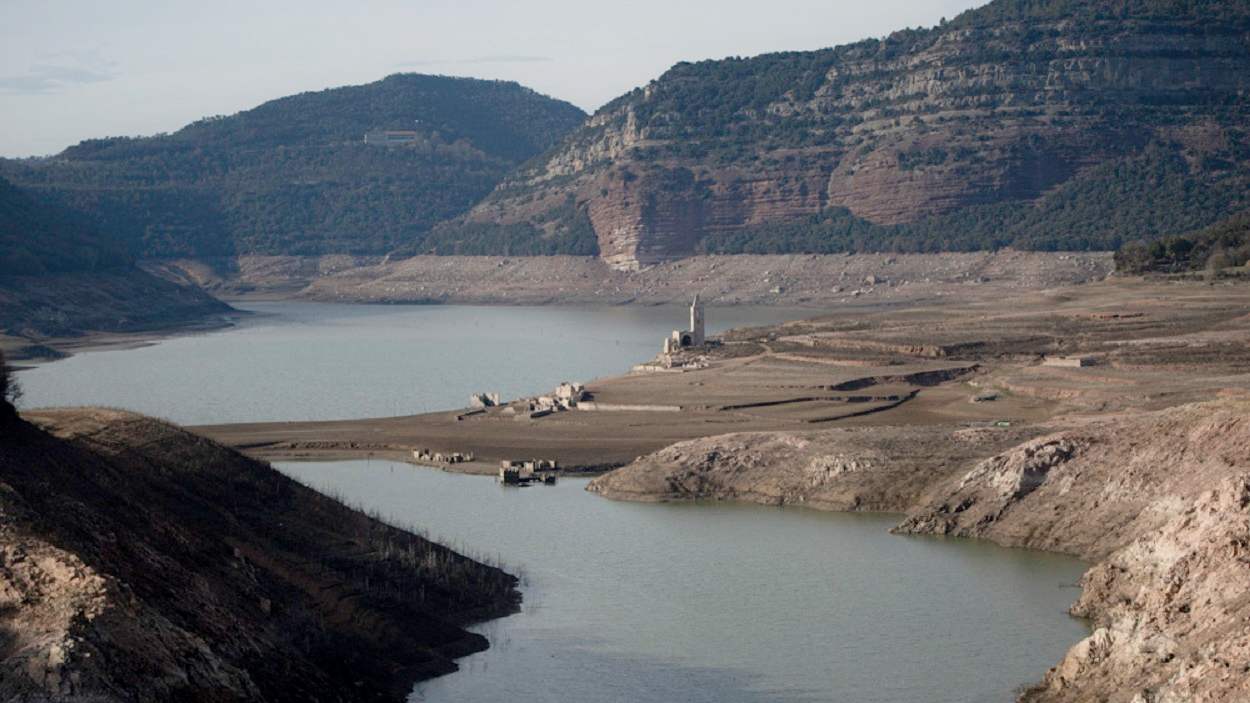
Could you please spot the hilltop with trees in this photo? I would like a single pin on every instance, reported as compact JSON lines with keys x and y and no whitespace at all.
{"x":295,"y":175}
{"x":1029,"y":124}
{"x":38,"y":238}
{"x":1036,"y":124}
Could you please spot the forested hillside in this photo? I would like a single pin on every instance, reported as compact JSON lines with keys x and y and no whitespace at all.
{"x":295,"y":176}
{"x":1035,"y":124}
{"x":1223,"y":245}
{"x":60,"y":275}
{"x":37,"y":238}
{"x":1047,"y":124}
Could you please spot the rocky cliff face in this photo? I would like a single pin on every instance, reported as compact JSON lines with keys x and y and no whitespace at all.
{"x":957,"y":137}
{"x":1171,"y":611}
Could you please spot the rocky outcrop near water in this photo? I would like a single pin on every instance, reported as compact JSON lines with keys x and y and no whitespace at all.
{"x":1134,"y":471}
{"x":139,"y":562}
{"x":1171,"y":611}
{"x":883,"y":469}
{"x":1162,"y":501}
{"x":1042,"y":124}
{"x":1159,"y":501}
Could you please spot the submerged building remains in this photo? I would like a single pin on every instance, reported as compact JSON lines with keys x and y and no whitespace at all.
{"x":682,"y":349}
{"x":1075,"y":362}
{"x":483,"y":400}
{"x":524,"y":472}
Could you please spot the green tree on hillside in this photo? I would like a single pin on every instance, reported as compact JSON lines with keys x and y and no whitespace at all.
{"x":295,"y":175}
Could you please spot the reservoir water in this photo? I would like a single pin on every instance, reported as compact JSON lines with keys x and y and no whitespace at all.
{"x":314,"y":361}
{"x":623,"y":602}
{"x":718,"y":602}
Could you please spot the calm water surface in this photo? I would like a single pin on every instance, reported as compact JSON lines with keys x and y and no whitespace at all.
{"x":623,"y":602}
{"x":313,"y":361}
{"x":719,"y":602}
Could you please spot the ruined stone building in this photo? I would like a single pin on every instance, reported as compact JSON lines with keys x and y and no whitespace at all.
{"x":692,"y":337}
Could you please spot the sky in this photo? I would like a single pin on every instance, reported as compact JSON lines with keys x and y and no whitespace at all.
{"x":73,"y":70}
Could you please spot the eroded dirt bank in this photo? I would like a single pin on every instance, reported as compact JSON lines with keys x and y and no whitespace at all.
{"x":1160,"y":500}
{"x":40,"y":315}
{"x":808,"y":280}
{"x":139,"y":562}
{"x":882,"y":469}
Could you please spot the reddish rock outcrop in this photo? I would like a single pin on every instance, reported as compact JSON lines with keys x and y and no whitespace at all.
{"x":1002,"y":105}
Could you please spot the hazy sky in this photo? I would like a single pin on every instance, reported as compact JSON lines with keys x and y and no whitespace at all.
{"x":73,"y":70}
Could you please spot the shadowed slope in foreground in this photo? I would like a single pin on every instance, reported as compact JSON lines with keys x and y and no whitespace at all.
{"x":140,"y":562}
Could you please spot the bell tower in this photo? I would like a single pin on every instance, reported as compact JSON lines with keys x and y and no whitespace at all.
{"x":697,"y":337}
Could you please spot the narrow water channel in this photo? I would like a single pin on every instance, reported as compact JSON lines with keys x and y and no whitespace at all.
{"x":721,"y":602}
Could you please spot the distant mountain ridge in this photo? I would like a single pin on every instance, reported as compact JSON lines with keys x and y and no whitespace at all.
{"x":1034,"y":124}
{"x":295,"y":176}
{"x":1050,"y":124}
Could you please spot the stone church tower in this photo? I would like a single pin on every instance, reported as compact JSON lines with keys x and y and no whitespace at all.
{"x":693,"y":337}
{"x":697,"y":337}
{"x":685,"y":338}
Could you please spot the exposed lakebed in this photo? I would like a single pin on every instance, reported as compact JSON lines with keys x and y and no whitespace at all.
{"x":638,"y":602}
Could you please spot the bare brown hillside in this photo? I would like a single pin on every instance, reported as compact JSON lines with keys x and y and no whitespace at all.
{"x":1162,"y":502}
{"x":139,"y":562}
{"x":800,"y":280}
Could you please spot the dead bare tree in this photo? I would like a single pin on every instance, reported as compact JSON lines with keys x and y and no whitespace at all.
{"x":10,"y":391}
